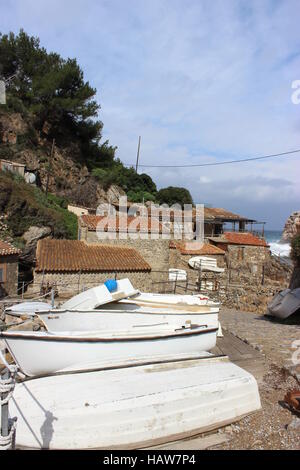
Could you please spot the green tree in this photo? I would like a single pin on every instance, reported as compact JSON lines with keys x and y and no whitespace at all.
{"x":54,"y":91}
{"x":174,"y":195}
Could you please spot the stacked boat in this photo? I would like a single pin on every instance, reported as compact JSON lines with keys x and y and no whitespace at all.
{"x":118,"y":368}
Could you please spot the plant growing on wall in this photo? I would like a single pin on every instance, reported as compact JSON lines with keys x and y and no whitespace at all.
{"x":295,"y":255}
{"x":295,"y":246}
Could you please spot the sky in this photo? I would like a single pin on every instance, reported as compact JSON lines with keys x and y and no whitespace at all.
{"x":199,"y":80}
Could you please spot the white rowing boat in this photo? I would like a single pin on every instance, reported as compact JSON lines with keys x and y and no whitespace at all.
{"x":99,"y":309}
{"x":133,"y":407}
{"x":38,"y":353}
{"x":109,"y":320}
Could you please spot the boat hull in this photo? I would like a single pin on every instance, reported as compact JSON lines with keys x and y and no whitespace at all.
{"x":118,"y":320}
{"x":44,"y":353}
{"x":285,"y":303}
{"x":131,"y":408}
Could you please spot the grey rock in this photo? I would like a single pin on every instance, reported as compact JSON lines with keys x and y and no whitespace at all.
{"x":292,"y":227}
{"x":28,"y":325}
{"x":31,"y":237}
{"x":34,"y":234}
{"x":294,"y":424}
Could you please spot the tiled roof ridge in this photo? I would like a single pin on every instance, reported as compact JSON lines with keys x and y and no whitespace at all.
{"x":7,"y":248}
{"x":240,"y":238}
{"x":76,"y":255}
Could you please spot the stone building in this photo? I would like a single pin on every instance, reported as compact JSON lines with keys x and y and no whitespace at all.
{"x":182,"y":252}
{"x":9,"y":269}
{"x":80,"y":210}
{"x":215,"y":219}
{"x":139,"y":233}
{"x":73,"y":265}
{"x":13,"y":167}
{"x":243,"y":251}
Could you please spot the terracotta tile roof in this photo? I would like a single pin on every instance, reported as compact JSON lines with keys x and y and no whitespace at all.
{"x":8,"y":249}
{"x":75,"y":255}
{"x":123,"y":224}
{"x":223,"y":214}
{"x":237,"y":238}
{"x":197,"y":248}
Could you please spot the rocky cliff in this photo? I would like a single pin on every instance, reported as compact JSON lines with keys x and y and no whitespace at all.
{"x":292,"y":227}
{"x":68,"y":176}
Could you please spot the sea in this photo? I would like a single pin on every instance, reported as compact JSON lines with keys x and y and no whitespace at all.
{"x":273,"y":238}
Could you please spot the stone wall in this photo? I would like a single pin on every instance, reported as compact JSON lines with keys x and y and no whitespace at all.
{"x":250,"y":279}
{"x":180,"y":261}
{"x":246,"y":258}
{"x":155,"y":252}
{"x":253,"y":277}
{"x":69,"y":284}
{"x":11,"y":267}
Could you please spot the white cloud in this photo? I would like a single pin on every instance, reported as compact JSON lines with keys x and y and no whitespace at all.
{"x":198,"y":80}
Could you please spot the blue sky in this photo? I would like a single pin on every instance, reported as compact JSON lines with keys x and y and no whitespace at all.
{"x":200,"y":81}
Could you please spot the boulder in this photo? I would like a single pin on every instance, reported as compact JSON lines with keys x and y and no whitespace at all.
{"x":31,"y":237}
{"x":34,"y":234}
{"x":292,"y":227}
{"x":27,"y":325}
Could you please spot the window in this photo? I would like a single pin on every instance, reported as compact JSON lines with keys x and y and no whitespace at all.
{"x":241,"y":253}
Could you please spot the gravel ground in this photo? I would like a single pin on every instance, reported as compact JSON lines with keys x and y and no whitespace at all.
{"x":275,"y":426}
{"x":271,"y":427}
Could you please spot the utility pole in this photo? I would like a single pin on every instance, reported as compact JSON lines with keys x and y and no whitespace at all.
{"x":50,"y":165}
{"x":138,"y":155}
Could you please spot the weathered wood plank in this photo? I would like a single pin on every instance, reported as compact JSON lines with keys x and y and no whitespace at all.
{"x":198,"y":443}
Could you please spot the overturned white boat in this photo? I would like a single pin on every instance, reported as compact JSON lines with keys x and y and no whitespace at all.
{"x":205,"y":264}
{"x":133,"y":407}
{"x":39,"y":353}
{"x":285,"y":303}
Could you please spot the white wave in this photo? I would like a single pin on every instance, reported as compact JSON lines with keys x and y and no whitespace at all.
{"x":280,"y":249}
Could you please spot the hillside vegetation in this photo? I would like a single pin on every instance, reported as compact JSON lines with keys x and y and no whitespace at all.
{"x":26,"y":206}
{"x":48,"y":98}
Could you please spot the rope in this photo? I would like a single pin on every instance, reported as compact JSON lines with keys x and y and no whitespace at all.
{"x":7,"y":387}
{"x":7,"y":442}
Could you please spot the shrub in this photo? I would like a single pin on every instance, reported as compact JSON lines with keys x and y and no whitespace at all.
{"x":295,"y":246}
{"x":27,"y":205}
{"x":174,"y":195}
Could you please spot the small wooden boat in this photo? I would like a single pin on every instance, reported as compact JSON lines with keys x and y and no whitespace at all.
{"x":130,"y":314}
{"x":38,"y":353}
{"x":98,"y":309}
{"x":125,"y":298}
{"x":285,"y":303}
{"x":133,"y":407}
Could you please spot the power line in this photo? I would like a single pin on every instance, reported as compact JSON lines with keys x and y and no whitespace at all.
{"x":218,"y":163}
